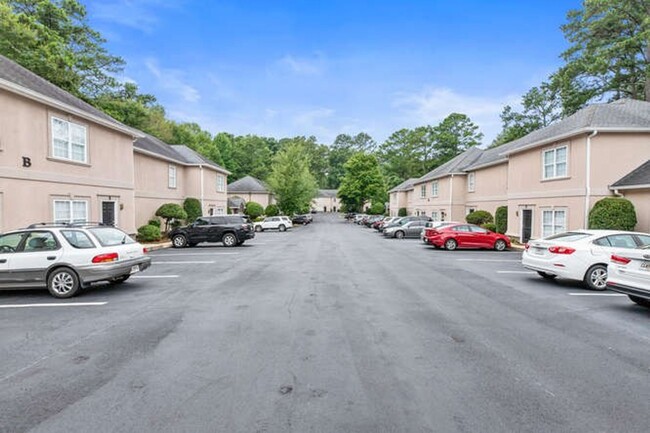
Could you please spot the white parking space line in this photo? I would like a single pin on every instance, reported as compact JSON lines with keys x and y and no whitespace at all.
{"x":183,"y":263}
{"x":193,"y":254}
{"x":154,"y":276}
{"x":489,"y":260}
{"x":71,"y":304}
{"x":597,"y":294}
{"x":516,"y":272}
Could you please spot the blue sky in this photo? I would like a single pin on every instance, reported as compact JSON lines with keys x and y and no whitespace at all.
{"x":287,"y":68}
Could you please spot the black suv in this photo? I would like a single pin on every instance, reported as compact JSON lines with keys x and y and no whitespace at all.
{"x":231,"y":230}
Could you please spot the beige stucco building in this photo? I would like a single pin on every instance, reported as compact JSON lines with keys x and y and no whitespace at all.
{"x":326,"y":201}
{"x":549,"y":179}
{"x":247,"y":189}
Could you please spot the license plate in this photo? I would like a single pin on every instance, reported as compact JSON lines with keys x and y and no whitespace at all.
{"x":645,"y":266}
{"x":538,"y":251}
{"x":135,"y":269}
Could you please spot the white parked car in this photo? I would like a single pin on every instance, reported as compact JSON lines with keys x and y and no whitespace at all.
{"x":580,"y":255}
{"x":67,"y":257}
{"x":281,"y":223}
{"x":629,"y":273}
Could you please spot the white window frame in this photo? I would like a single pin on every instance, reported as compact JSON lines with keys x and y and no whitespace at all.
{"x":435,"y":216}
{"x":70,"y":203}
{"x":423,"y":191}
{"x":172,"y":176}
{"x":555,"y":229}
{"x":471,"y":182}
{"x":221,"y":183}
{"x":555,"y":163}
{"x":434,"y":188}
{"x":69,"y":141}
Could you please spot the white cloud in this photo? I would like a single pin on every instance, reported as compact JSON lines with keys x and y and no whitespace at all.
{"x":172,"y":80}
{"x":140,"y":14}
{"x":432,"y":104}
{"x":302,"y":66}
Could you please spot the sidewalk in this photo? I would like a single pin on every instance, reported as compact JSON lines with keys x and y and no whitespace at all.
{"x":153,"y":246}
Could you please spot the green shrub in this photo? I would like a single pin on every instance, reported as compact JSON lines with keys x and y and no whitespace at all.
{"x":490,"y":226}
{"x":154,"y":222}
{"x":192,"y":208}
{"x":501,"y":219}
{"x":272,"y":210}
{"x":402,"y":212}
{"x":479,"y":217}
{"x":613,"y":213}
{"x":377,"y":209}
{"x":169,"y":212}
{"x":259,"y":219}
{"x":253,"y":210}
{"x":148,"y":233}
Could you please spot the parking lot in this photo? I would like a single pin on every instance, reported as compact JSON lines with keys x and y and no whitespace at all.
{"x":330,"y":328}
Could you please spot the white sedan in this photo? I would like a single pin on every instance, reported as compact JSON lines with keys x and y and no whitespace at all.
{"x":281,"y":223}
{"x":580,"y":255}
{"x":629,"y":273}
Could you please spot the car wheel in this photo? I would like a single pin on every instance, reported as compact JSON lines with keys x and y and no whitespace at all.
{"x":120,"y":280}
{"x":399,"y":235}
{"x":546,"y":276}
{"x":229,"y":240}
{"x":451,"y":244}
{"x":282,"y":228}
{"x":500,"y":245}
{"x":179,"y":241}
{"x":640,"y":301}
{"x":258,"y":228}
{"x":596,"y":277}
{"x":63,"y":283}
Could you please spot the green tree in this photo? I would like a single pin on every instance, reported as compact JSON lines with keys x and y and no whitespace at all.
{"x":290,"y":180}
{"x":454,"y":135}
{"x":252,"y":155}
{"x":272,"y":210}
{"x":363,"y":181}
{"x":169,"y":212}
{"x":609,"y":56}
{"x":254,"y":210}
{"x":408,"y":153}
{"x":192,"y":208}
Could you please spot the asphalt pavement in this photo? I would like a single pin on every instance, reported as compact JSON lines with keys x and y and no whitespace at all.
{"x":326,"y":328}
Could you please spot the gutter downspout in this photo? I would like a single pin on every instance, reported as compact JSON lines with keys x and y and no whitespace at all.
{"x":618,"y":194}
{"x":201,"y":172}
{"x":588,"y":178}
{"x":451,"y":197}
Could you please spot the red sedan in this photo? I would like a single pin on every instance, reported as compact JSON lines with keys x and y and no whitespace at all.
{"x":465,"y":236}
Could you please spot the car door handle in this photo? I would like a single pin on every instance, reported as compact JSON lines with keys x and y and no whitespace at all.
{"x":51,"y":257}
{"x":3,"y":260}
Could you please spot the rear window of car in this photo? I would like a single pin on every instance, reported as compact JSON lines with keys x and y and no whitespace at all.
{"x":77,"y":239}
{"x":109,"y":237}
{"x":568,"y":236}
{"x":236,"y":219}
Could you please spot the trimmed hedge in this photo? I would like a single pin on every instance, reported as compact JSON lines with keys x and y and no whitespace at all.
{"x":613,"y":213}
{"x":253,"y":210}
{"x":154,"y":222}
{"x":272,"y":210}
{"x":377,"y":209}
{"x":169,"y":212}
{"x":402,"y":212}
{"x":490,"y":226}
{"x":501,"y":219}
{"x":192,"y":208}
{"x":479,"y":217}
{"x":148,"y":233}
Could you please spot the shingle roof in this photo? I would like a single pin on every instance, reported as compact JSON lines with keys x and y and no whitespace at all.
{"x":192,"y":157}
{"x":327,"y":193}
{"x":151,"y":144}
{"x":23,"y":77}
{"x":455,"y":165}
{"x":248,"y":184}
{"x":624,"y":114}
{"x":640,"y":176}
{"x":404,"y":186}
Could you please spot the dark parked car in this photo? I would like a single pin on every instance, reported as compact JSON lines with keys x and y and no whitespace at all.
{"x":301,"y":219}
{"x":403,"y":220}
{"x":231,"y":230}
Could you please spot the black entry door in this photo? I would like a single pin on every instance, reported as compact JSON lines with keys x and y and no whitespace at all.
{"x":526,"y":224}
{"x":108,"y":213}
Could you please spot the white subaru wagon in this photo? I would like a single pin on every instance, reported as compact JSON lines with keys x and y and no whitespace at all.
{"x":67,"y":257}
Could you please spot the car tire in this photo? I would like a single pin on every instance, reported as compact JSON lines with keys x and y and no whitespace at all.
{"x":282,"y":228}
{"x":596,"y":277}
{"x":63,"y":283}
{"x":451,"y":244}
{"x":259,"y":229}
{"x":229,"y":240}
{"x":399,"y":234}
{"x":179,"y":241}
{"x":640,"y":301}
{"x":546,"y":276}
{"x":500,"y":245}
{"x":120,"y":280}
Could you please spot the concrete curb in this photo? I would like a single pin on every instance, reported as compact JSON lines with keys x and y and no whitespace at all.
{"x":157,"y":246}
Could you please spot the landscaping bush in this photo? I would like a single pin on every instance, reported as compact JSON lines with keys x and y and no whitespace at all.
{"x":272,"y":210}
{"x":148,"y":233}
{"x":169,"y":212}
{"x":501,"y":219}
{"x":613,"y":213}
{"x":490,"y":226}
{"x":192,"y":208}
{"x":154,"y":222}
{"x":376,"y":209}
{"x":479,"y":217}
{"x":259,"y":219}
{"x":402,"y":212}
{"x":253,"y":210}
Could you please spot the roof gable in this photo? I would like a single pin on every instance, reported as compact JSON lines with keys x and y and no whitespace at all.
{"x":453,"y":166}
{"x":248,"y":184}
{"x":638,"y":177}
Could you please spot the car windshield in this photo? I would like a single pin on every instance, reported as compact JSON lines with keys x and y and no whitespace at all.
{"x":568,"y":236}
{"x":108,"y":236}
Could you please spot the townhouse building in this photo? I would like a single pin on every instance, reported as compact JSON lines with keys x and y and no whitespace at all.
{"x":62,"y":160}
{"x":551,"y":178}
{"x":326,"y":200}
{"x":246,"y":189}
{"x":401,"y":197}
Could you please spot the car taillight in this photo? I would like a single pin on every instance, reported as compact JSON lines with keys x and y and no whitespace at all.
{"x":105,"y":258}
{"x":620,"y":260}
{"x":561,"y":250}
{"x":145,"y":250}
{"x":526,"y":246}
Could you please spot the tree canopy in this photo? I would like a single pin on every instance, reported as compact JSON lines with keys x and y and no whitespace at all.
{"x":291,"y":181}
